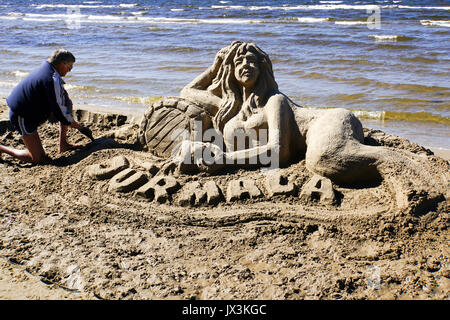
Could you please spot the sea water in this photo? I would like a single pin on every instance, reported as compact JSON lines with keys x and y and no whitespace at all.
{"x":387,"y":61}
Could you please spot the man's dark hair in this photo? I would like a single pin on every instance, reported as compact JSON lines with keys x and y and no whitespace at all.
{"x":61,"y":55}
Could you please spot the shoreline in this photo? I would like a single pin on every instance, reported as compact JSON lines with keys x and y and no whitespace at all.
{"x":136,"y":117}
{"x":442,"y":153}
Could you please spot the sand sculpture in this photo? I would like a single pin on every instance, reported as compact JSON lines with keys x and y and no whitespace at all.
{"x":235,"y":115}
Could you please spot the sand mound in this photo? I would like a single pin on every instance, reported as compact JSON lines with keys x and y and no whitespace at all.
{"x":234,"y":235}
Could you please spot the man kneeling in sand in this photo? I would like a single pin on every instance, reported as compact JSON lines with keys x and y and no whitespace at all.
{"x":32,"y":102}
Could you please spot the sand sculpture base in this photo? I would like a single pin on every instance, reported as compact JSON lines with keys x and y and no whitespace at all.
{"x":101,"y":223}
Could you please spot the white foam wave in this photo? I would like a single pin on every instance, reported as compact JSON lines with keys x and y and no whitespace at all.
{"x":8,"y":84}
{"x":228,"y":7}
{"x":44,"y":6}
{"x":421,"y":8}
{"x":9,"y":18}
{"x":435,"y":23}
{"x":378,"y":115}
{"x":80,"y":18}
{"x":385,"y":38}
{"x":15,"y":14}
{"x":312,"y":20}
{"x":326,"y":5}
{"x":300,"y":7}
{"x":72,"y":87}
{"x":128,"y":5}
{"x":19,"y":73}
{"x":86,"y":4}
{"x":350,"y":23}
{"x":256,"y":8}
{"x":191,"y":20}
{"x":138,"y":13}
{"x":39,"y":19}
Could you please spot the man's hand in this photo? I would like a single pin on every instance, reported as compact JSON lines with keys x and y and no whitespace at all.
{"x":87,"y":132}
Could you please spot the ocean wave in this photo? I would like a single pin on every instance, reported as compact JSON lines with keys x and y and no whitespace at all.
{"x":138,"y":17}
{"x":38,"y":19}
{"x":128,"y":5}
{"x":392,"y":46}
{"x":19,"y":73}
{"x":350,"y":23}
{"x":86,"y":4}
{"x":300,"y":7}
{"x":8,"y":84}
{"x":312,"y":20}
{"x":366,"y":82}
{"x":351,"y":61}
{"x":138,"y":13}
{"x":10,"y":17}
{"x":389,"y":38}
{"x":137,"y":100}
{"x":89,"y":91}
{"x":6,"y":51}
{"x":349,"y":97}
{"x":435,"y":23}
{"x":326,"y":5}
{"x":232,"y":7}
{"x":44,"y":6}
{"x":423,"y":8}
{"x":181,"y":68}
{"x":71,"y":87}
{"x":420,"y":59}
{"x":15,"y":14}
{"x":402,"y":116}
{"x":416,"y":116}
{"x":195,"y":21}
{"x":364,"y":114}
{"x":335,"y":7}
{"x":81,"y":18}
{"x":178,"y":49}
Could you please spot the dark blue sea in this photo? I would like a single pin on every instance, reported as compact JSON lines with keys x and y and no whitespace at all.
{"x":387,"y":61}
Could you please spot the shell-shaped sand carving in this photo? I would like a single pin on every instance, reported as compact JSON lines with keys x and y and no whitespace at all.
{"x":168,"y":121}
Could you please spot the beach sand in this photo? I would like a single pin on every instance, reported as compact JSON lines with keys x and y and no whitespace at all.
{"x":64,"y":235}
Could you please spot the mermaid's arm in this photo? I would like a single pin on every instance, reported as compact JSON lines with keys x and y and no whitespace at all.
{"x":196,"y":90}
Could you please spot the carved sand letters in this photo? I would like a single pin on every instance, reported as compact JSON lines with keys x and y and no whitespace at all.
{"x":146,"y":183}
{"x":159,"y":188}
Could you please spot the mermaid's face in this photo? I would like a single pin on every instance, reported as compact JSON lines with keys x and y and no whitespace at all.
{"x":246,"y":69}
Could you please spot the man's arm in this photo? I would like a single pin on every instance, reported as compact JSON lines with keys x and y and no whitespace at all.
{"x":56,"y":95}
{"x":54,"y":100}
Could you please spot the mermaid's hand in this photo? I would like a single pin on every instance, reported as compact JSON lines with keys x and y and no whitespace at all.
{"x":212,"y":159}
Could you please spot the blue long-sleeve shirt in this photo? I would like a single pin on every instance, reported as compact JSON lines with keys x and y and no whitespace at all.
{"x":40,"y":94}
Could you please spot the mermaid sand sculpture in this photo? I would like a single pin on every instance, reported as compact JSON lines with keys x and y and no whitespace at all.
{"x":238,"y":95}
